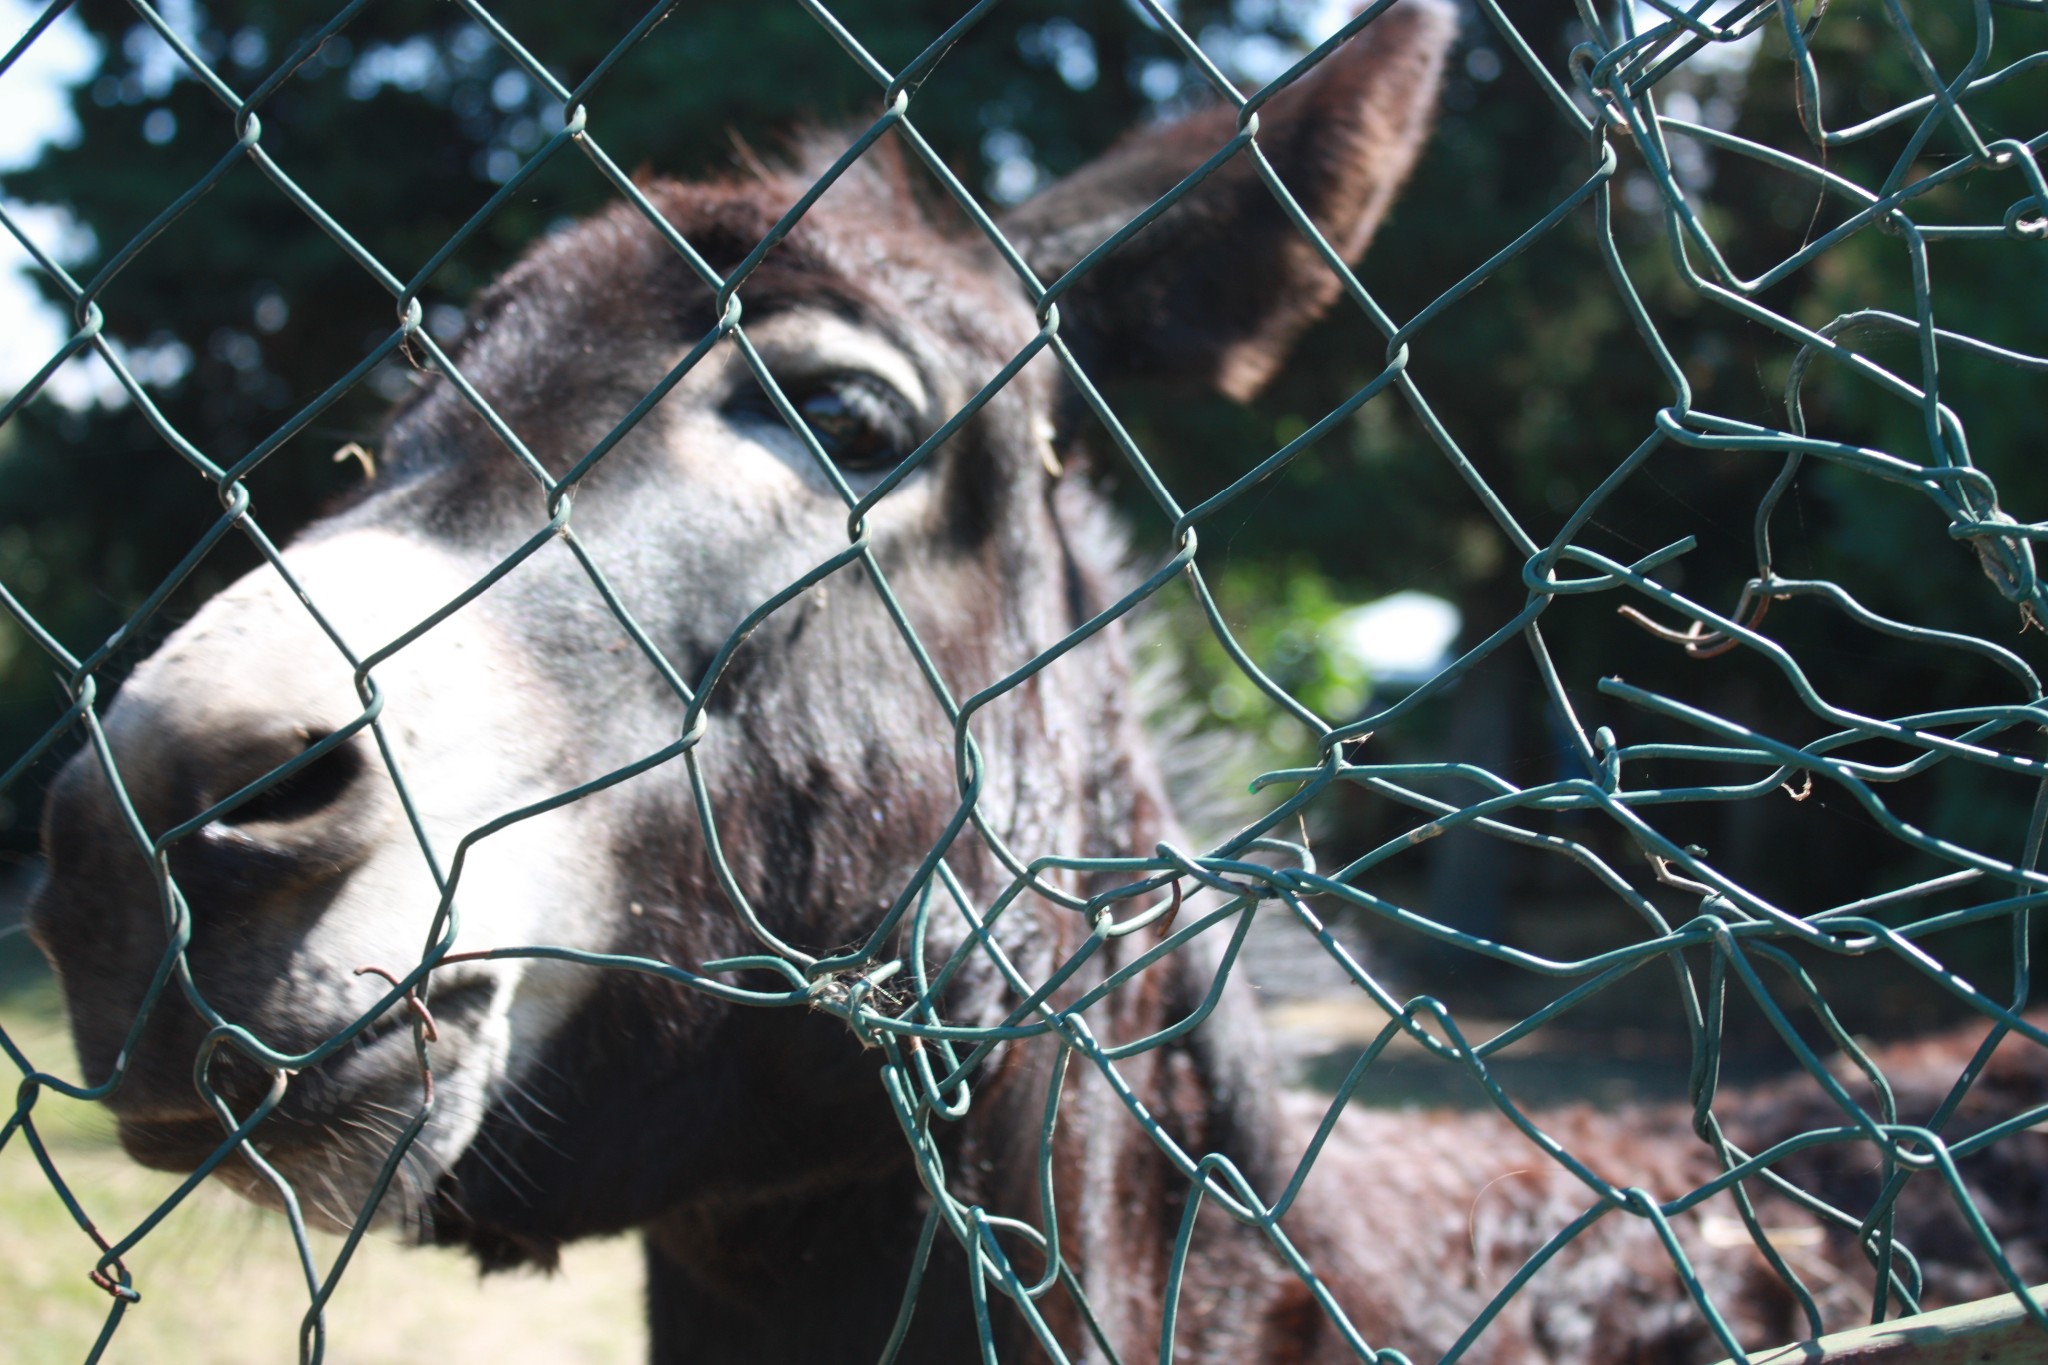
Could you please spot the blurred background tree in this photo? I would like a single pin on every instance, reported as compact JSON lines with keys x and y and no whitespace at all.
{"x":402,"y":125}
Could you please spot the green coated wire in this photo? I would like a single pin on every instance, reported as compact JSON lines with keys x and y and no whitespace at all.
{"x":1604,"y":102}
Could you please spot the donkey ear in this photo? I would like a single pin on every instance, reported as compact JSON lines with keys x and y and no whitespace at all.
{"x":1217,"y":287}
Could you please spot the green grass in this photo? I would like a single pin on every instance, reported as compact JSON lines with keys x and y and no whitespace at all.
{"x":220,"y":1281}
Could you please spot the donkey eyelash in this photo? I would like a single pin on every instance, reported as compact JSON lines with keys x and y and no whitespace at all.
{"x":861,"y":420}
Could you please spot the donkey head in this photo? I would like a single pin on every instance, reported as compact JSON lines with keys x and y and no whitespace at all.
{"x":464,"y":665}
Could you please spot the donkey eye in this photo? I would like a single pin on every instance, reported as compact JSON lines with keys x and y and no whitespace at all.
{"x":862,"y":422}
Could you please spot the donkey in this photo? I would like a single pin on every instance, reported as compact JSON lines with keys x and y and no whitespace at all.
{"x":781,"y":1209}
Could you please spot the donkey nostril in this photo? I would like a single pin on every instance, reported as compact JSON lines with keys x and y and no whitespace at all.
{"x":312,"y":789}
{"x":302,"y":830}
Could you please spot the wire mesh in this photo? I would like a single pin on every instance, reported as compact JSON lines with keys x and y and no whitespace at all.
{"x":1609,"y":98}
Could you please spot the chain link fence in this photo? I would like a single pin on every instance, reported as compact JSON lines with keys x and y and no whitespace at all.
{"x":1629,"y":99}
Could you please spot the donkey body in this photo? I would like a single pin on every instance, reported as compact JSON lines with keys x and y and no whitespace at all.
{"x":779,"y":1202}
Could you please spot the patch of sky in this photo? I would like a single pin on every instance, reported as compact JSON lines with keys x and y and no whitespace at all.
{"x":410,"y":66}
{"x":248,"y":49}
{"x":1707,"y":89}
{"x":1013,"y":171}
{"x":1160,"y":79}
{"x":1064,"y":46}
{"x":510,"y":89}
{"x":153,"y":63}
{"x":1730,"y":56}
{"x":499,"y":164}
{"x":1249,"y":58}
{"x":471,"y":44}
{"x":1402,"y":640}
{"x":35,"y":112}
